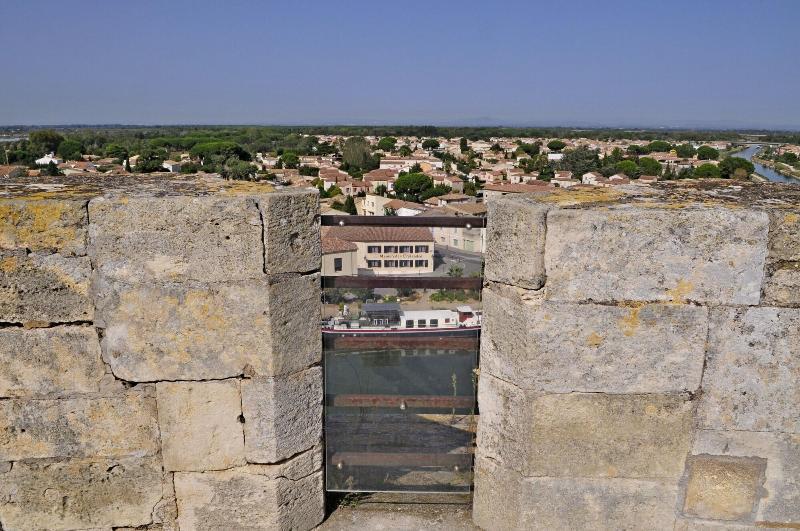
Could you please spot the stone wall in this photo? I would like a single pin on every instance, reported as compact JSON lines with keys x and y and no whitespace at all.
{"x":640,"y":360}
{"x":159,"y":356}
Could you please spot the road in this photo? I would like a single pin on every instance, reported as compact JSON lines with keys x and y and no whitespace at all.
{"x":445,"y":257}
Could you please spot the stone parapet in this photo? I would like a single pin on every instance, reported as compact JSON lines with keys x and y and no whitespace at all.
{"x":639,"y":359}
{"x":159,"y":355}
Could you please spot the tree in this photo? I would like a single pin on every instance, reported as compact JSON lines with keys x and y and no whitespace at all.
{"x":462,"y":144}
{"x":290,"y":160}
{"x":51,"y":169}
{"x":685,"y":151}
{"x":45,"y":141}
{"x":707,"y":153}
{"x":238,"y":170}
{"x":470,"y":188}
{"x":387,"y":143}
{"x":309,"y":171}
{"x":70,"y":150}
{"x":581,"y":160}
{"x":615,"y":156}
{"x":706,"y":171}
{"x":628,"y":167}
{"x":658,"y":145}
{"x":496,"y":148}
{"x":430,"y":143}
{"x":410,"y":186}
{"x":635,"y":149}
{"x":115,"y":151}
{"x":350,"y":205}
{"x":439,"y":189}
{"x":404,"y":151}
{"x":381,"y":190}
{"x":556,"y":145}
{"x":224,"y":149}
{"x":728,"y":167}
{"x":356,"y":153}
{"x":650,"y":166}
{"x":455,"y":271}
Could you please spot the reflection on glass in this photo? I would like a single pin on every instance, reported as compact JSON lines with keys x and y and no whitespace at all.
{"x":400,"y":388}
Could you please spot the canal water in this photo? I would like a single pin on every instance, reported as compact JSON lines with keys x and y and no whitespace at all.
{"x":769,"y":173}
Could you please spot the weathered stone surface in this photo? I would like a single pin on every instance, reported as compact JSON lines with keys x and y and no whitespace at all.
{"x":80,"y":427}
{"x":780,"y":503}
{"x":752,"y":375}
{"x":188,"y":331}
{"x":44,"y":225}
{"x":723,"y":487}
{"x":44,"y":288}
{"x":597,"y":435}
{"x":515,"y":239}
{"x":562,"y":347}
{"x":782,"y":286}
{"x":504,"y":500}
{"x":784,"y":236}
{"x":208,"y":239}
{"x":283,"y":415}
{"x":200,"y":427}
{"x":504,"y":423}
{"x":285,"y":496}
{"x":691,"y":524}
{"x":291,"y":231}
{"x":80,"y":493}
{"x":585,"y":435}
{"x":709,"y":255}
{"x":58,"y":361}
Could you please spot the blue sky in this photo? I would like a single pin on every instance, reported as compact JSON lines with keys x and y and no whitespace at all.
{"x":711,"y":63}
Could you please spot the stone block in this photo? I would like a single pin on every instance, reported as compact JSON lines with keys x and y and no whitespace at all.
{"x":691,"y":524}
{"x":39,"y":289}
{"x":515,"y":240}
{"x":780,"y":504}
{"x":193,"y":331}
{"x":563,"y":347}
{"x":752,"y":374}
{"x":784,"y":236}
{"x":291,"y":231}
{"x":283,"y":415}
{"x":505,"y":500}
{"x":285,"y":496}
{"x":723,"y":487}
{"x":200,"y":425}
{"x":176,"y":238}
{"x":80,"y":493}
{"x":597,"y":435}
{"x":120,"y":426}
{"x":504,"y":423}
{"x":44,"y":225}
{"x":58,"y":361}
{"x":782,"y":286}
{"x":708,"y":255}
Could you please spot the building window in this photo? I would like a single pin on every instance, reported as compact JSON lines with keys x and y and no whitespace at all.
{"x":421,"y":249}
{"x":421,"y":323}
{"x":389,"y":248}
{"x":373,"y":263}
{"x":420,"y":263}
{"x":390,"y":263}
{"x":406,"y":263}
{"x":434,"y":323}
{"x":406,"y":249}
{"x":374,"y":249}
{"x":455,"y":242}
{"x":337,"y":264}
{"x":410,"y":323}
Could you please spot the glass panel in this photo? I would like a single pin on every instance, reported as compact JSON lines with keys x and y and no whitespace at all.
{"x":400,"y":377}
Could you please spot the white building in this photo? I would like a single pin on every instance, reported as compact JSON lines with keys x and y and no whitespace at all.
{"x":47,"y":159}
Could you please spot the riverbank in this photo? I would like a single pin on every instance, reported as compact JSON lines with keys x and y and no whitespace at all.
{"x":783,"y":169}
